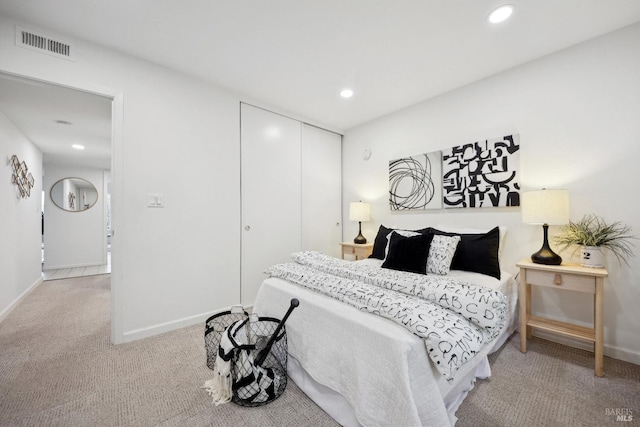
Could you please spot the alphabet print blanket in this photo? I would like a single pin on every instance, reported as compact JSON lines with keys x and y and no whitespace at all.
{"x":455,"y":318}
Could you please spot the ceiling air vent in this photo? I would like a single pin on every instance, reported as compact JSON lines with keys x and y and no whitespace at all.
{"x":43,"y":43}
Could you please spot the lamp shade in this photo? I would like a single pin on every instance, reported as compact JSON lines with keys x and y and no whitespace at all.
{"x":545,"y":207}
{"x":359,"y":211}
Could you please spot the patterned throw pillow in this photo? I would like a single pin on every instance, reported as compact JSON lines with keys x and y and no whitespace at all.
{"x":441,"y":254}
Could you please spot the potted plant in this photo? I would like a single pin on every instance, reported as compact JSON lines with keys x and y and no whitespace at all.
{"x":593,"y":233}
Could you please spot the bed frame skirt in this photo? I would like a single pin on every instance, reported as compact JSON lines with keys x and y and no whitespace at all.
{"x":334,"y":404}
{"x":437,"y":405}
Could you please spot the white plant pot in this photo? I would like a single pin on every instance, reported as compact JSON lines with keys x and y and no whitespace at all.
{"x":591,"y":256}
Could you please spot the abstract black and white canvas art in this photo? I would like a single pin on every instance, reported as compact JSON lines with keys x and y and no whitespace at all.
{"x":416,"y":182}
{"x":482,"y":174}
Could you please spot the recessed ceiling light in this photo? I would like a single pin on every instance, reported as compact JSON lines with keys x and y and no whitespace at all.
{"x":500,"y":14}
{"x":78,"y":146}
{"x":346,"y":93}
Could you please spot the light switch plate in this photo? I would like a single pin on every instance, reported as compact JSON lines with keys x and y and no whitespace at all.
{"x":156,"y":200}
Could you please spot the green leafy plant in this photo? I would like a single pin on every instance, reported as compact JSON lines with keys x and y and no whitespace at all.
{"x":592,"y":230}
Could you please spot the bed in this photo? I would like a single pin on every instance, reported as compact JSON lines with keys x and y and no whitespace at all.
{"x":364,"y":369}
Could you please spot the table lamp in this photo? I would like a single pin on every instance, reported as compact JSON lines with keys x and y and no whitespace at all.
{"x":545,"y":207}
{"x":359,"y":211}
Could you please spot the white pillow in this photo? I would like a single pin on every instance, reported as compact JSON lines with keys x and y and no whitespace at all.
{"x":441,"y":253}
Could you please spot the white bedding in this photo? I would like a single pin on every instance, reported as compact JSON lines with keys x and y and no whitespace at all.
{"x":379,"y":368}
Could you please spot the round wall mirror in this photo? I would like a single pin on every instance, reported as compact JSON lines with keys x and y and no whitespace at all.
{"x":74,"y":194}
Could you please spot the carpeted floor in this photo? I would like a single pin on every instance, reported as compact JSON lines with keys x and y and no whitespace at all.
{"x":58,"y":368}
{"x":551,"y":385}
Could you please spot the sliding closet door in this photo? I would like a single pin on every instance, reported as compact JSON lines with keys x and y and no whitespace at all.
{"x":270,"y":182}
{"x":321,"y":190}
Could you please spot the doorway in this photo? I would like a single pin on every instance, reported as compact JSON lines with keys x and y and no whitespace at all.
{"x":56,"y":107}
{"x":72,"y":129}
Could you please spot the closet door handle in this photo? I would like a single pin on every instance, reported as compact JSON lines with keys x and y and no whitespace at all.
{"x":247,"y":227}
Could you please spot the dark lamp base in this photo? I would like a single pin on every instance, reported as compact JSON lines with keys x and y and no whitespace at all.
{"x":360,"y":239}
{"x":545,"y":255}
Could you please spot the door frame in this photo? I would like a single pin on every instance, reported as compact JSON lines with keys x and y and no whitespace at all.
{"x":117,"y":186}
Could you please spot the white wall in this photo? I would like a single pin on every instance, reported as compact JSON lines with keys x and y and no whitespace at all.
{"x":73,"y":239}
{"x":577,"y":113}
{"x":20,"y":220}
{"x":179,"y":137}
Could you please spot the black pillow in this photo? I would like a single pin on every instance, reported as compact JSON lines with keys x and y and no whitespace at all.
{"x":380,"y":242}
{"x":408,"y":253}
{"x":477,"y":252}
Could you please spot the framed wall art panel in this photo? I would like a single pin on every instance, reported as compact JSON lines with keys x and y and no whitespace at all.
{"x":416,"y":182}
{"x":482,"y":174}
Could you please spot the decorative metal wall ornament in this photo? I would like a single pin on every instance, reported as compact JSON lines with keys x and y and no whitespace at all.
{"x":72,"y":201}
{"x":21,"y":176}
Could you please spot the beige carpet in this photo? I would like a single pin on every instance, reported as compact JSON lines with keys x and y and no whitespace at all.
{"x":551,"y":385}
{"x":58,"y":368}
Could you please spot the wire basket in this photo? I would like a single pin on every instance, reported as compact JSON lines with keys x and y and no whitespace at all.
{"x":215,"y":326}
{"x":253,"y":384}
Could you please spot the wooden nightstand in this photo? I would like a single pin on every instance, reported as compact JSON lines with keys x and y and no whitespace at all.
{"x":361,"y":251}
{"x":571,"y":277}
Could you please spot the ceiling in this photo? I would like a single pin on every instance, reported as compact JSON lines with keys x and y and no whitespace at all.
{"x":54,"y":118}
{"x":297,"y":55}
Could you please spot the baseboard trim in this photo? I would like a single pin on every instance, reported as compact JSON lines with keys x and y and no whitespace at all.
{"x":161,"y":328}
{"x":609,"y":350}
{"x":4,"y":313}
{"x":60,"y":267}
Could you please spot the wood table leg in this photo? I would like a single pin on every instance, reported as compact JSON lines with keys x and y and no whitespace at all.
{"x":599,"y":326}
{"x":525,"y":307}
{"x":528,"y":293}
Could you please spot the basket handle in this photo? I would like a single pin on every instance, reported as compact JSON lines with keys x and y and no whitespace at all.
{"x":263,"y":353}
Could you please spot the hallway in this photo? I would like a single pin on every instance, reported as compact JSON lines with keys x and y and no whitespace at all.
{"x":66,"y":273}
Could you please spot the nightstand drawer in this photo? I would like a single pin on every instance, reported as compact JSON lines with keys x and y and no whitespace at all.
{"x":570,"y":282}
{"x":359,"y":251}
